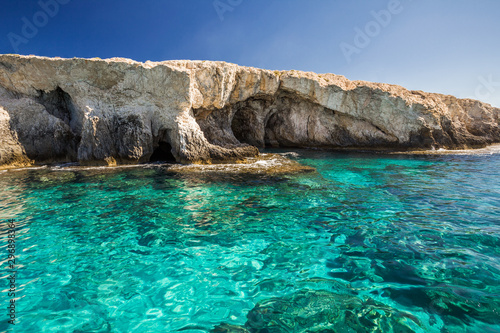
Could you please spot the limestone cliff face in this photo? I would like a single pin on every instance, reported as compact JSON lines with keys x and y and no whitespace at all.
{"x":120,"y":111}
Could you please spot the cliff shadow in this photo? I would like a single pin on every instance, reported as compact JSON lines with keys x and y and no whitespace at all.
{"x":289,"y":120}
{"x":162,"y":148}
{"x":163,"y":153}
{"x":47,"y":126}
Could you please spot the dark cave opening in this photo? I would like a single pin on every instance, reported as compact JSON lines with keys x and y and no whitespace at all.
{"x":250,"y":119}
{"x":60,"y":104}
{"x":264,"y":121}
{"x":66,"y":140}
{"x":163,"y":153}
{"x":242,"y":125}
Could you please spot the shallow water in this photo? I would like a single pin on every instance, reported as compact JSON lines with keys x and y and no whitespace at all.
{"x":147,"y":250}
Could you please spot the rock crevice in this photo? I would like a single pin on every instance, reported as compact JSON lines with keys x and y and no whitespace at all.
{"x":117,"y":110}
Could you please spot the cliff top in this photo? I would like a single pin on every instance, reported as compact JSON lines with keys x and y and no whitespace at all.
{"x":323,"y":79}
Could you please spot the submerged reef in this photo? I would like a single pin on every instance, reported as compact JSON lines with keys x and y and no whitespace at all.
{"x":119,"y":111}
{"x":322,"y":311}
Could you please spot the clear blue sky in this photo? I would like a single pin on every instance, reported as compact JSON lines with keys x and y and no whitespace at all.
{"x":448,"y":46}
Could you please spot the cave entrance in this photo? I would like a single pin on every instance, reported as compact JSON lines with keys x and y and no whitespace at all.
{"x":163,"y":153}
{"x":240,"y":125}
{"x":247,"y":123}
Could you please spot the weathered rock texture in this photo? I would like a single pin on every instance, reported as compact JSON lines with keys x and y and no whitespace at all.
{"x":321,"y":311}
{"x":120,"y":111}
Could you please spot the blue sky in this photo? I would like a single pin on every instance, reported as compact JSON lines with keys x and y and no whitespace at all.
{"x":448,"y":46}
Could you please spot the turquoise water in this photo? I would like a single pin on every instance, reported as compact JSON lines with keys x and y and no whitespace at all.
{"x":146,"y":250}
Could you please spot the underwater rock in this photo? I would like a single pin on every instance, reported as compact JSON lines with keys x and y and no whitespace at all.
{"x":323,"y":311}
{"x":456,"y":305}
{"x":119,"y":111}
{"x":228,"y":328}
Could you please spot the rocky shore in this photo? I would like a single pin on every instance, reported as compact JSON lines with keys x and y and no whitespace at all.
{"x":119,"y":111}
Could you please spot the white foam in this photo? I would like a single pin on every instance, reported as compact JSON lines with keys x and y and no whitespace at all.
{"x":290,"y":154}
{"x":103,"y":167}
{"x":489,"y":150}
{"x":28,"y":168}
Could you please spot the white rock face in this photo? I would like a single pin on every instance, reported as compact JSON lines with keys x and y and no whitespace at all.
{"x":120,"y":111}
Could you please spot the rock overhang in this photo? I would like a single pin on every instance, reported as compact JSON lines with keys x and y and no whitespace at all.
{"x":120,"y":111}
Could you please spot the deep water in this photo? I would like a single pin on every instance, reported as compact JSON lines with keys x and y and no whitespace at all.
{"x":146,"y":250}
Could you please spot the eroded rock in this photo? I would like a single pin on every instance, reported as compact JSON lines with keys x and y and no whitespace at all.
{"x":264,"y":164}
{"x":118,"y":111}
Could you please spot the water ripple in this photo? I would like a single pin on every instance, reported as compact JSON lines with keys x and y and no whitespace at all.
{"x":144,"y":250}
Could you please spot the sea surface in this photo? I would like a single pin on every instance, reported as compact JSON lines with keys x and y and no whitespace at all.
{"x":367,"y":243}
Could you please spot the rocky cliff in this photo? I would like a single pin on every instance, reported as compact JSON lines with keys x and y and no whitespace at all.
{"x":120,"y":111}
